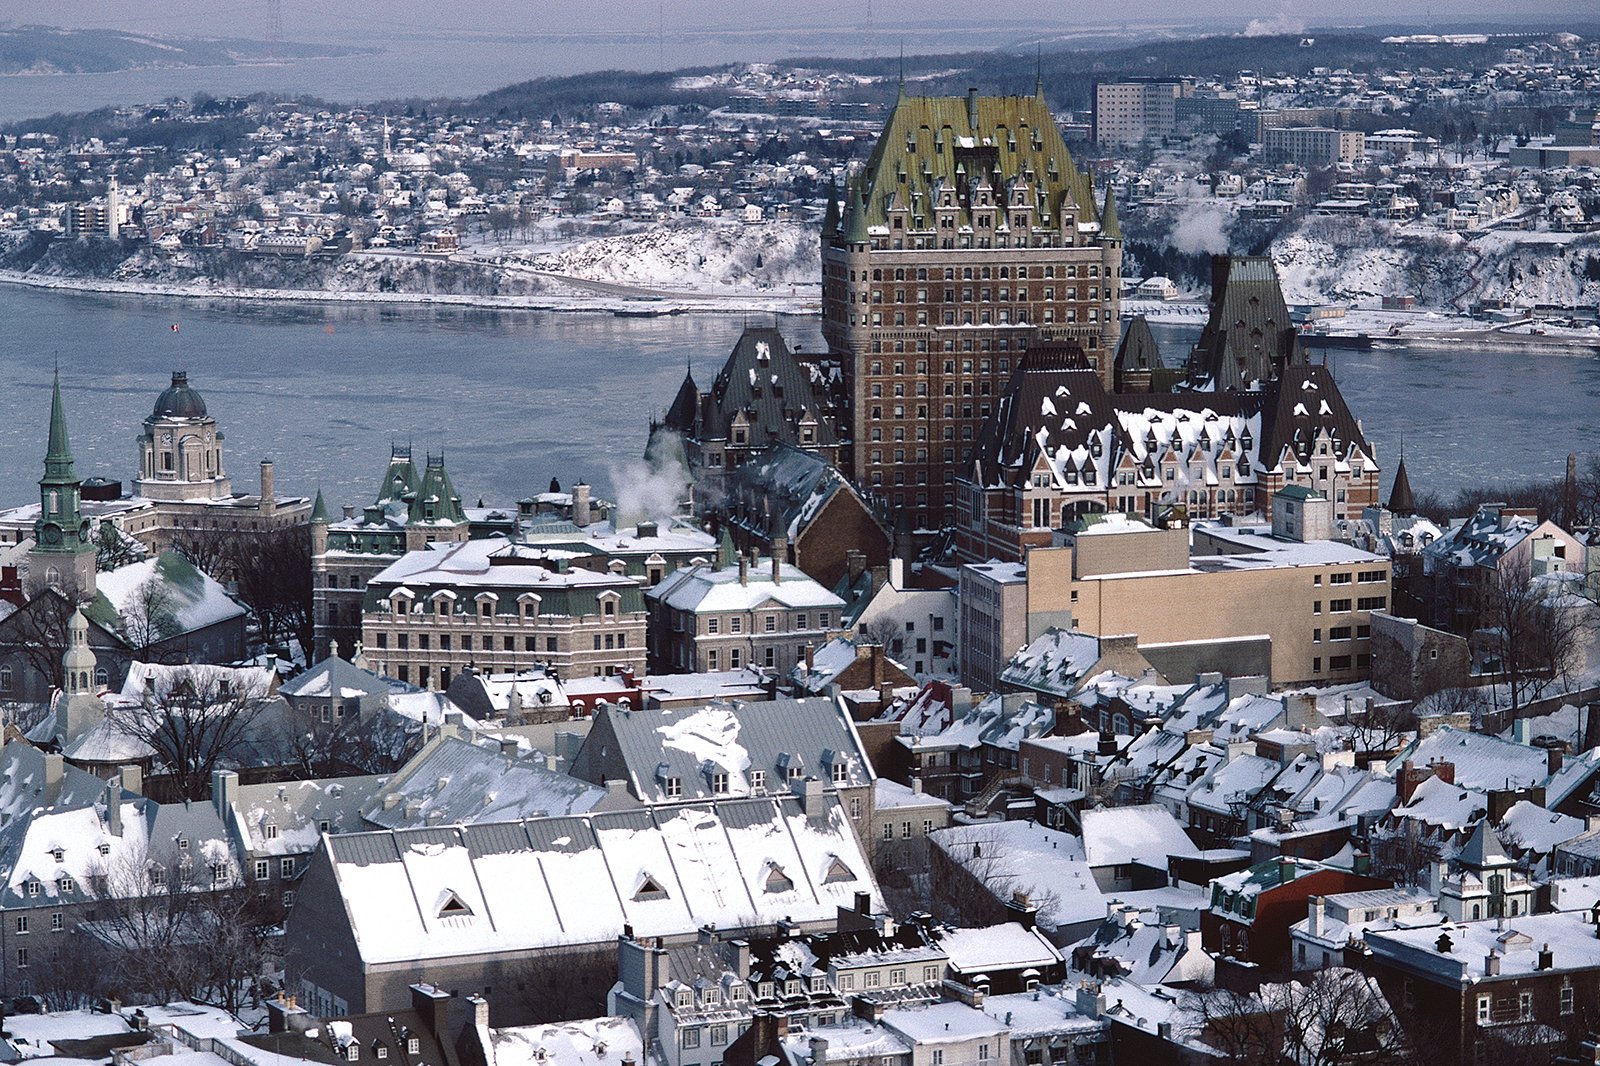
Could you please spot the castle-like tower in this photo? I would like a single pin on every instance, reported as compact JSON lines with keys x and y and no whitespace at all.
{"x":969,"y":234}
{"x":63,"y":554}
{"x":180,"y":449}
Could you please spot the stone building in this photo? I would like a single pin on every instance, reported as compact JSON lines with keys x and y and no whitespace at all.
{"x":969,"y":234}
{"x":1058,"y":447}
{"x":498,"y":606}
{"x":737,"y":613}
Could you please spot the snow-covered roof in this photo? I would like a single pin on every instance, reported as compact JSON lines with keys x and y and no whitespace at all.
{"x":666,"y":871}
{"x":1045,"y":864}
{"x":1056,"y":662}
{"x":1008,"y":946}
{"x":590,"y":1042}
{"x":454,"y":781}
{"x":1145,"y":834}
{"x":706,"y":590}
{"x":187,"y":596}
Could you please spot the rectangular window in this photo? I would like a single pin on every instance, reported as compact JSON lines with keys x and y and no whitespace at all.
{"x":262,"y":870}
{"x":1339,"y":633}
{"x":1338,"y":606}
{"x":770,"y":622}
{"x":22,"y":958}
{"x":691,"y":1038}
{"x":22,"y":923}
{"x":719,"y":1035}
{"x":719,"y":783}
{"x":874,"y":978}
{"x":286,"y":868}
{"x":1566,"y":999}
{"x":938,"y":1057}
{"x":758,"y":779}
{"x":1525,"y":1006}
{"x":1372,"y":603}
{"x":673,"y":788}
{"x":58,"y":923}
{"x":1338,"y":579}
{"x":736,"y":624}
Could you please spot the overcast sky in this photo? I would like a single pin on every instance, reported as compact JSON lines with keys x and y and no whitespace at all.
{"x":308,"y":19}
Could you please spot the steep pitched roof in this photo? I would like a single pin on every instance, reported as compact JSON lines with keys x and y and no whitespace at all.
{"x":1401,"y":500}
{"x":1249,"y":336}
{"x":1305,"y":402}
{"x":1055,"y":406}
{"x":795,"y":483}
{"x":763,"y":381}
{"x":1138,"y":350}
{"x":684,"y":414}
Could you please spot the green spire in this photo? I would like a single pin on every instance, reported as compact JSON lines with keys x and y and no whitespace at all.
{"x":58,"y":453}
{"x":1110,"y":229}
{"x":830,"y":217}
{"x":855,"y":219}
{"x":319,"y":510}
{"x":726,"y":552}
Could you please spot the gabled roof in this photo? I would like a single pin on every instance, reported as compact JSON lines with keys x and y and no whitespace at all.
{"x":454,"y":781}
{"x":795,"y":484}
{"x":337,"y":678}
{"x":1307,"y":402}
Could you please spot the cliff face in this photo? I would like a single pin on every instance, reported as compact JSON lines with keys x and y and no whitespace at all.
{"x":1343,"y":260}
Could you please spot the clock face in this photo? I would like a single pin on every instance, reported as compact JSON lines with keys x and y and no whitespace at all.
{"x":50,"y":535}
{"x":166,"y":438}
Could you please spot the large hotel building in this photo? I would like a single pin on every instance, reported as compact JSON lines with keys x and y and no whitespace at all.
{"x":968,"y":235}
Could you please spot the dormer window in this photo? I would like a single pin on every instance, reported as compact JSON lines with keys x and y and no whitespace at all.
{"x":452,"y":906}
{"x":57,"y":854}
{"x":270,"y":831}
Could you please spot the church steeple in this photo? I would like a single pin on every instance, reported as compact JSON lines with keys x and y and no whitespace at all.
{"x":58,"y":452}
{"x":60,"y":533}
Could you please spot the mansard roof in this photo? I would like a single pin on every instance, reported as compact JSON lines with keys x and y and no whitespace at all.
{"x":763,"y":382}
{"x":1249,"y":336}
{"x":1305,"y":403}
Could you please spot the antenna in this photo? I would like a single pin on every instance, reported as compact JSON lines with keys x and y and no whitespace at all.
{"x":902,"y":67}
{"x":1038,"y":68}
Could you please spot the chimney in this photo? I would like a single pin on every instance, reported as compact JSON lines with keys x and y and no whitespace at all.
{"x":1286,"y":870}
{"x":269,"y":499}
{"x":1020,"y":909}
{"x":1552,"y":759}
{"x":1316,"y":911}
{"x":114,"y":808}
{"x":131,"y":778}
{"x":812,"y":800}
{"x":1547,"y":959}
{"x":224,"y":789}
{"x":580,"y":505}
{"x":780,"y":552}
{"x":811,"y":657}
{"x":1491,"y":965}
{"x":855,"y":562}
{"x":744,"y":569}
{"x":55,"y":768}
{"x":350,"y":510}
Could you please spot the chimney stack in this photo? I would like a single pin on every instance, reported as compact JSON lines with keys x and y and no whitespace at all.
{"x":580,"y":505}
{"x":744,"y":569}
{"x":269,"y":499}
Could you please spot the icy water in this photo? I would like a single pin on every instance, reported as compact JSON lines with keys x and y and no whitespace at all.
{"x":516,"y":398}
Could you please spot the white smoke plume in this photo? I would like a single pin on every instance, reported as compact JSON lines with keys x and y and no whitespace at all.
{"x":655,"y":487}
{"x":1199,"y":229}
{"x":1278,"y":25}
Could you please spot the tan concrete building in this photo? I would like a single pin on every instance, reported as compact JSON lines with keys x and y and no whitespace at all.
{"x":969,"y":234}
{"x":1217,"y":582}
{"x":994,"y":619}
{"x":1312,"y":146}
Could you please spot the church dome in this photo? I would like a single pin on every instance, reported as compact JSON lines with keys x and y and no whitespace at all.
{"x":179,"y":400}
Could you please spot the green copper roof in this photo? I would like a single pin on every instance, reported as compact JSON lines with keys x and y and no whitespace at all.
{"x":58,"y":453}
{"x":830,"y":217}
{"x":437,"y":500}
{"x":319,"y":510}
{"x":1110,"y":228}
{"x":856,"y":213}
{"x":937,"y":144}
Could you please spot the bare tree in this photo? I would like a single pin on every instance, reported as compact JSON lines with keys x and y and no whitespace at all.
{"x":1338,"y":1016}
{"x":196,"y":719}
{"x":1532,"y":633}
{"x":562,"y":985}
{"x":270,"y":573}
{"x":38,"y":633}
{"x":1379,"y":729}
{"x":148,"y":619}
{"x":1238,"y":1024}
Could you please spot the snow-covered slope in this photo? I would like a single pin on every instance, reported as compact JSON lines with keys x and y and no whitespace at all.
{"x":697,"y":255}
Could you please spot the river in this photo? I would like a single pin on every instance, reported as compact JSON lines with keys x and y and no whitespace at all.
{"x":516,"y":398}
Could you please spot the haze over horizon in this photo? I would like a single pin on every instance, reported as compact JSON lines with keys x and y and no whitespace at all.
{"x":306,"y":19}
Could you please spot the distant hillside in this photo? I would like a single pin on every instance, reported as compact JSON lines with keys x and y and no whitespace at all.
{"x":34,"y":50}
